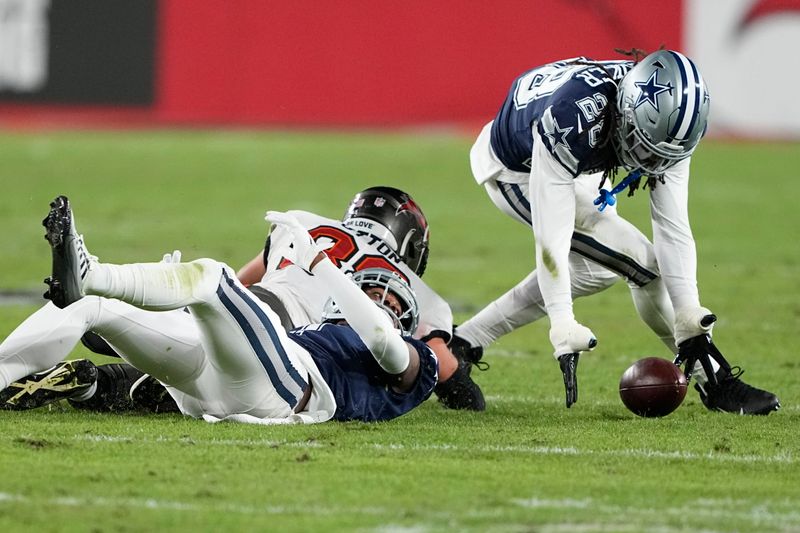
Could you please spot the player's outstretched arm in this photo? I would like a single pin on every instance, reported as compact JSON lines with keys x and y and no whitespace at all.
{"x":553,"y":192}
{"x":372,"y":325}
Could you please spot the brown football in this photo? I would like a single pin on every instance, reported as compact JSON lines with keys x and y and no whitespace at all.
{"x":652,"y":387}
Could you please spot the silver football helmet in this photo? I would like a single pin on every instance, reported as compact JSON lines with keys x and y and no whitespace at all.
{"x":662,"y":106}
{"x":389,"y":281}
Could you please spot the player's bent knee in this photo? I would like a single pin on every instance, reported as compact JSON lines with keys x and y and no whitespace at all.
{"x":203,"y":275}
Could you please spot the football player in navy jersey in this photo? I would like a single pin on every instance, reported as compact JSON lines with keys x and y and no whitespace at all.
{"x":549,"y":159}
{"x":228,"y":358}
{"x":382,"y":227}
{"x":385,"y":227}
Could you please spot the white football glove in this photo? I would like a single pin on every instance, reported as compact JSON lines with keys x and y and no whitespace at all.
{"x":567,"y":336}
{"x":691,"y":322}
{"x":173,"y":258}
{"x":305,"y":249}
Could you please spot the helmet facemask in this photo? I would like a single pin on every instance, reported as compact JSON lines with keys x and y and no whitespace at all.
{"x":662,"y":112}
{"x":388,"y":282}
{"x":636,"y":152}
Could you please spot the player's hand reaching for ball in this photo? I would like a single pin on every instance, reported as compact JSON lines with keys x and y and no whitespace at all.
{"x":692,"y":322}
{"x":569,"y":339}
{"x":693,"y":327}
{"x":568,"y":336}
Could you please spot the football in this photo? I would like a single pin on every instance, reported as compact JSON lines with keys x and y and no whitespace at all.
{"x":652,"y":387}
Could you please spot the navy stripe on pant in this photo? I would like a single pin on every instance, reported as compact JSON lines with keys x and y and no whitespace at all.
{"x":266,"y":343}
{"x":612,"y":260}
{"x":583,"y":244}
{"x":516,"y":200}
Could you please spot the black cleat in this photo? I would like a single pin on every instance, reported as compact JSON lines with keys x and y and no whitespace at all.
{"x":148,"y":394}
{"x":71,"y":261}
{"x":464,"y":351}
{"x":68,"y":379}
{"x":459,"y":391}
{"x":114,"y":382}
{"x":732,"y":395}
{"x":98,"y":345}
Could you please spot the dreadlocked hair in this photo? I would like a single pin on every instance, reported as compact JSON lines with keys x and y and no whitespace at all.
{"x":637,"y":54}
{"x":650,"y":183}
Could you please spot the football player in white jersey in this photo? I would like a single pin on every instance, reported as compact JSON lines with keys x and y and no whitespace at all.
{"x":383,"y":227}
{"x":549,"y":159}
{"x":227,"y":357}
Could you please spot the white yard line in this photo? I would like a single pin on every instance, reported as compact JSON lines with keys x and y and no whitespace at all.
{"x":509,"y":398}
{"x":630,"y":453}
{"x":758,"y":514}
{"x":172,"y":505}
{"x":626,"y":453}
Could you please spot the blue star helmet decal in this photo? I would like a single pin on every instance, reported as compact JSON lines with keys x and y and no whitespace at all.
{"x":650,"y":89}
{"x":558,"y":135}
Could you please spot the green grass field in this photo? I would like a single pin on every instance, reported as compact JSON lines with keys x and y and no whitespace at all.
{"x":526,"y":464}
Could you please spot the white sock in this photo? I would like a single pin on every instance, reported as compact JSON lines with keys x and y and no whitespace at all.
{"x":155,"y":286}
{"x":700,"y":374}
{"x":655,"y":309}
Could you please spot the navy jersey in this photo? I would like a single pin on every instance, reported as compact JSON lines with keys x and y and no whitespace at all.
{"x":359,"y":384}
{"x":566,"y":100}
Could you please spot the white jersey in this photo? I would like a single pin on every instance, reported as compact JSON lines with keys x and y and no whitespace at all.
{"x":350,"y":250}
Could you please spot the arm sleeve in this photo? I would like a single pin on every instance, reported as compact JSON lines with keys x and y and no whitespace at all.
{"x":552,"y":193}
{"x":672,"y":236}
{"x":370,"y":323}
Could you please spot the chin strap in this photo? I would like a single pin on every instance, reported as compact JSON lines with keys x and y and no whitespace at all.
{"x":607,"y":198}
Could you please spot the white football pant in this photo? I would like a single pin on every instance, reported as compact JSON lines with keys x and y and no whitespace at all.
{"x":605,"y":248}
{"x":225,"y":353}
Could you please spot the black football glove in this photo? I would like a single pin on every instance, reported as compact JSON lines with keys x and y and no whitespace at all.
{"x":701,"y":349}
{"x":569,"y":367}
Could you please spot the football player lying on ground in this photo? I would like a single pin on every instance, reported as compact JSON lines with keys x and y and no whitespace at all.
{"x":228,"y":357}
{"x":561,"y":134}
{"x":382,"y":226}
